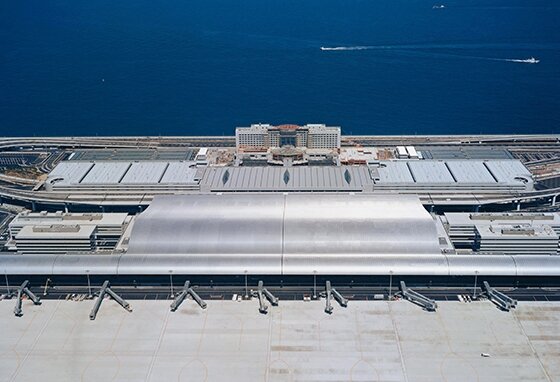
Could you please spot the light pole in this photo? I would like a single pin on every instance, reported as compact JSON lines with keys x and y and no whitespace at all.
{"x":314,"y":285}
{"x":474,"y":288}
{"x":88,"y":284}
{"x":390,"y":284}
{"x":246,"y":288}
{"x":7,"y":283}
{"x":171,"y":283}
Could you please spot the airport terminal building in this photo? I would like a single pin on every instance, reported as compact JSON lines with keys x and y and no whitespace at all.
{"x":261,"y":137}
{"x":282,"y":257}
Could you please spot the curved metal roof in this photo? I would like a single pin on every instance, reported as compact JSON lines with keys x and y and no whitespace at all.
{"x":398,"y":265}
{"x":210,"y":224}
{"x":266,"y":233}
{"x":470,"y":265}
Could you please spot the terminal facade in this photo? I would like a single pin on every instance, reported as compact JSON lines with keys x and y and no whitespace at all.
{"x":261,"y":137}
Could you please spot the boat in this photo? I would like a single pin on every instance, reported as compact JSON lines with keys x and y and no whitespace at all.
{"x":532,"y":60}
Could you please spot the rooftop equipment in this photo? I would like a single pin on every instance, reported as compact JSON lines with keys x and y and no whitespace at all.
{"x":401,"y":152}
{"x":412,"y":152}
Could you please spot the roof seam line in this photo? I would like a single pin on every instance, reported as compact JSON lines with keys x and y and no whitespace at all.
{"x":283,"y":229}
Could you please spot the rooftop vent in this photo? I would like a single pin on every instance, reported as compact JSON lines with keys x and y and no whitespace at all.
{"x":347,"y":176}
{"x":286,"y":177}
{"x":225,"y":177}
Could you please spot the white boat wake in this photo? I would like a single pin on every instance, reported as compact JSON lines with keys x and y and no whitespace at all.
{"x":347,"y":48}
{"x":410,"y":49}
{"x":531,"y":60}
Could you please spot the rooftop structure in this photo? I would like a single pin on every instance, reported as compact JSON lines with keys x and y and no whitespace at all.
{"x":471,"y":171}
{"x":180,"y":173}
{"x":144,"y":173}
{"x":517,"y":239}
{"x":294,"y":179}
{"x":445,"y":152}
{"x":358,"y":156}
{"x":106,"y":173}
{"x":136,"y":154}
{"x":430,"y":172}
{"x":476,"y":176}
{"x":464,"y":227}
{"x":107,"y":176}
{"x":108,"y":226}
{"x":67,"y":172}
{"x":403,"y":176}
{"x":55,"y":238}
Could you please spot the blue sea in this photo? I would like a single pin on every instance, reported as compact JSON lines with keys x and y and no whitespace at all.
{"x":203,"y":67}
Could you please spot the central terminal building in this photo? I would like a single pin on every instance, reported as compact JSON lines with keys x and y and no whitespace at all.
{"x":261,"y":137}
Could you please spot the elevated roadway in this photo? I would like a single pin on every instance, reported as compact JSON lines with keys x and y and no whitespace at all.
{"x":536,"y":141}
{"x":18,"y":195}
{"x":60,"y":199}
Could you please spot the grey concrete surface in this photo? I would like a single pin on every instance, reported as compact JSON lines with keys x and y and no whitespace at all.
{"x":297,"y":341}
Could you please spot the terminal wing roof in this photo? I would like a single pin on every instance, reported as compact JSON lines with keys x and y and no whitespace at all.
{"x":145,"y":172}
{"x":106,"y":172}
{"x":67,"y":172}
{"x":426,"y":175}
{"x":470,"y":171}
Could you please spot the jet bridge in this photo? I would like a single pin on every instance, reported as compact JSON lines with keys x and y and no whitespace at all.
{"x":501,"y":300}
{"x":263,"y":294}
{"x":329,"y":293}
{"x":187,"y":290}
{"x":416,"y":298}
{"x":105,"y":289}
{"x":21,"y":291}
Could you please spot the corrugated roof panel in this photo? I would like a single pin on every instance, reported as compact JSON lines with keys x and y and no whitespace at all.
{"x":179,"y":173}
{"x":430,"y":172}
{"x":336,"y":178}
{"x":505,"y":171}
{"x":234,"y":179}
{"x":70,"y":172}
{"x":310,"y":178}
{"x":106,"y":173}
{"x":394,"y":172}
{"x":362,"y":176}
{"x":314,"y":178}
{"x":248,"y":178}
{"x":470,"y":171}
{"x":306,"y":173}
{"x":241,"y":178}
{"x":278,"y":171}
{"x":261,"y":175}
{"x":144,"y":173}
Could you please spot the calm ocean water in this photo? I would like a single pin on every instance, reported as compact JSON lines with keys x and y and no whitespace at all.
{"x":203,"y":67}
